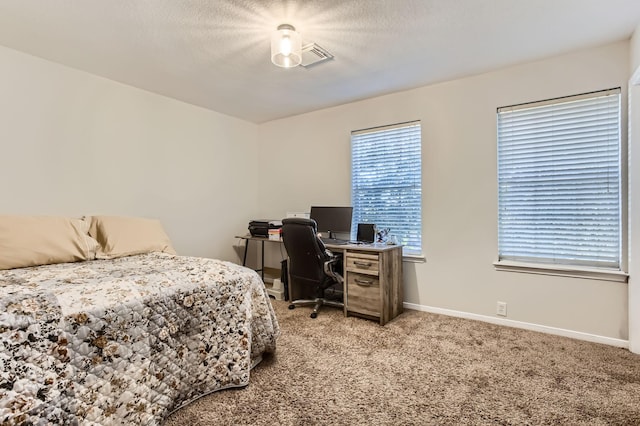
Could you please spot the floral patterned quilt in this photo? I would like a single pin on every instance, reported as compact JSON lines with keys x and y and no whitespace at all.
{"x":128,"y":340}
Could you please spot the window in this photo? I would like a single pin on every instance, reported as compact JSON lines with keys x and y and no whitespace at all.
{"x":559,"y":181}
{"x":386,"y":181}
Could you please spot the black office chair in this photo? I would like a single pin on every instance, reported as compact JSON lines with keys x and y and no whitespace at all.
{"x":312,"y":267}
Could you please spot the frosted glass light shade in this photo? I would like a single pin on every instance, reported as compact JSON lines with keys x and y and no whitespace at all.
{"x":286,"y":47}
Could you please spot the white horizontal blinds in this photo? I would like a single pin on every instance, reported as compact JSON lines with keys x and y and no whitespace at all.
{"x":386,"y":181}
{"x":559,"y":181}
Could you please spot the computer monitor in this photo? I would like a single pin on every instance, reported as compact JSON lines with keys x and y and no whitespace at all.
{"x":332,"y":220}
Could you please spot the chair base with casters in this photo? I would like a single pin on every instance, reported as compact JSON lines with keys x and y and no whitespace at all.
{"x":317,"y":303}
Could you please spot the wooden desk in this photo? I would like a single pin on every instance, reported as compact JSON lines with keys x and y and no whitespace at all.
{"x":372,"y":277}
{"x":373,"y":280}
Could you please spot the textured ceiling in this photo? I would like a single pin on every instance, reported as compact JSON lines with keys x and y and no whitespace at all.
{"x":215,"y":53}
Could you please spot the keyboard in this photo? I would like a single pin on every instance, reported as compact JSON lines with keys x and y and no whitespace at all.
{"x":334,"y":241}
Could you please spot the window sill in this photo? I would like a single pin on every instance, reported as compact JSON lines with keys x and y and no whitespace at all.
{"x":414,"y":258}
{"x":562,"y":270}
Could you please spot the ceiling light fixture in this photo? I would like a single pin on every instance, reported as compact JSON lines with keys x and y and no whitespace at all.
{"x":286,"y":47}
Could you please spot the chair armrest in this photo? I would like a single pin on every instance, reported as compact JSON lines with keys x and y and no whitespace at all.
{"x":328,"y":269}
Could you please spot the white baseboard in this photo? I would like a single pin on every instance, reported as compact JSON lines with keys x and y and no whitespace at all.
{"x":524,"y":325}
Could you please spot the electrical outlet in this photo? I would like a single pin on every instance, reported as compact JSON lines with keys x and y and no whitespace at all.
{"x":501,"y":309}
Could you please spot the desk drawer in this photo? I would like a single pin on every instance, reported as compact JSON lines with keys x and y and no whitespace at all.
{"x":363,"y":293}
{"x":362,"y":263}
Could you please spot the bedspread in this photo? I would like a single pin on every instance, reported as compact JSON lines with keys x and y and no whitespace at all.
{"x":128,"y":340}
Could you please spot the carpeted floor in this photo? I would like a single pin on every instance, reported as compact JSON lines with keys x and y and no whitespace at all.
{"x":424,"y":369}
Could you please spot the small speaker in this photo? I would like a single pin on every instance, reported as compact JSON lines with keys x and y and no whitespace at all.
{"x":366,"y":232}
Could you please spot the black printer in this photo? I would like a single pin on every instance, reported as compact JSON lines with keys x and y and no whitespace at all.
{"x":260,"y":228}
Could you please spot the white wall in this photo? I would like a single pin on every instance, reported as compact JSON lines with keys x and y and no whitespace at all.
{"x":634,"y":194}
{"x":634,"y":50}
{"x":311,"y":165}
{"x":75,"y":144}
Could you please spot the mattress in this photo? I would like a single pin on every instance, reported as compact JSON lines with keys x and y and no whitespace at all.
{"x":128,"y":340}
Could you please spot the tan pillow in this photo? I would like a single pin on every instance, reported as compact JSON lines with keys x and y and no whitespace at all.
{"x":42,"y":240}
{"x":125,"y":236}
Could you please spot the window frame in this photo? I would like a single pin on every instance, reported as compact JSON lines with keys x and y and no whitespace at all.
{"x":409,"y":254}
{"x":564,"y":268}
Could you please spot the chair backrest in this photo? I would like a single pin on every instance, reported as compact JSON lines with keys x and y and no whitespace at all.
{"x":306,"y":251}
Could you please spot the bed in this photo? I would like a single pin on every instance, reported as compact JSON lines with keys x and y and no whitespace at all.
{"x":126,"y":340}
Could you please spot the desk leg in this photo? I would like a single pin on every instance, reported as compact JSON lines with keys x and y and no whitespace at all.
{"x":262,"y":261}
{"x":246,"y":248}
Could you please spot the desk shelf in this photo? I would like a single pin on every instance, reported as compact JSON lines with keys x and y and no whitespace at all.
{"x":270,"y":273}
